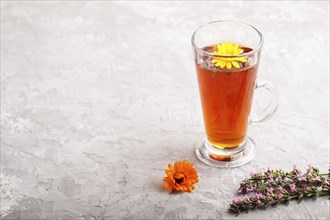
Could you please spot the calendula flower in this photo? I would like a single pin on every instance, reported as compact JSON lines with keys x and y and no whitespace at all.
{"x":180,"y":177}
{"x":228,"y":49}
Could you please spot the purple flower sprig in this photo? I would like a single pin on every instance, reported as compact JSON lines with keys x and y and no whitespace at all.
{"x":276,"y":186}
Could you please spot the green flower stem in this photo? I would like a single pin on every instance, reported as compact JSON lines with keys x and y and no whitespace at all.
{"x":276,"y":186}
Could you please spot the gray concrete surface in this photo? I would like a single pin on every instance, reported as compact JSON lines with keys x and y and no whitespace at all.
{"x":97,"y":98}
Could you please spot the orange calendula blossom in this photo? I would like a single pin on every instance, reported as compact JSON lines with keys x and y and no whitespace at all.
{"x":231,"y":50}
{"x":180,"y":177}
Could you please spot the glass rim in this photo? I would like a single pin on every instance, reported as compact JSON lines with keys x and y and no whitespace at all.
{"x":253,"y":51}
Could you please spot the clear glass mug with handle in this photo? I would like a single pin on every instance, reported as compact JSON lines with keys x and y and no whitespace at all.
{"x":226,"y":55}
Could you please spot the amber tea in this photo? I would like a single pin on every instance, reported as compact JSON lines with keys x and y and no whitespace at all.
{"x":226,"y":55}
{"x":226,"y":96}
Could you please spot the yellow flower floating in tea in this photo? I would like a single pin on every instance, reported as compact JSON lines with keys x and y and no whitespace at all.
{"x":228,"y":49}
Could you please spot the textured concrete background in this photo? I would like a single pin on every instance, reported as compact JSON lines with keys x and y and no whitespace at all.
{"x":97,"y":98}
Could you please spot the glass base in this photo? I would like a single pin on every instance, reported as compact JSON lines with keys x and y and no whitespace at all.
{"x":226,"y":158}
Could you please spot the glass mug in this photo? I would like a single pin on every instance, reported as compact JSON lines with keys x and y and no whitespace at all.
{"x":226,"y":55}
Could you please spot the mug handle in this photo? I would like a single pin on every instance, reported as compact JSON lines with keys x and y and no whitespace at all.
{"x":272,"y":106}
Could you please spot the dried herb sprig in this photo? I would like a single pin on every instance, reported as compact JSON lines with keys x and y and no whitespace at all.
{"x":276,"y":186}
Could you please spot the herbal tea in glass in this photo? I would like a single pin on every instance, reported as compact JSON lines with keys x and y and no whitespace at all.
{"x":226,"y":55}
